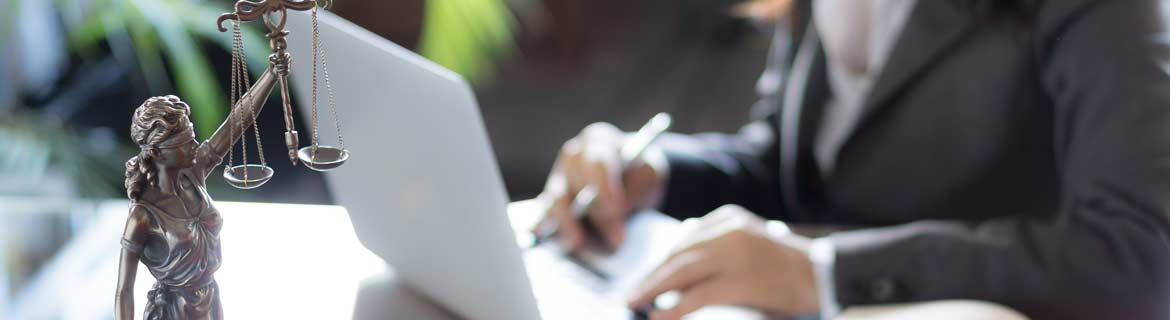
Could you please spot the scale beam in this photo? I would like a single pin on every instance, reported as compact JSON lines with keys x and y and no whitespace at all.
{"x":247,"y":11}
{"x":279,"y":59}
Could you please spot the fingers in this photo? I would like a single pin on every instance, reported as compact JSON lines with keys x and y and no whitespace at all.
{"x":691,"y":299}
{"x":714,"y":224}
{"x":558,"y":215}
{"x":590,"y":160}
{"x":569,"y":229}
{"x":727,"y":258}
{"x":610,"y":210}
{"x":569,"y":164}
{"x":690,"y":267}
{"x":554,"y":187}
{"x":680,"y":272}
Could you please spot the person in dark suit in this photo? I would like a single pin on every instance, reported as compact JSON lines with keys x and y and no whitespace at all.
{"x":1016,"y":152}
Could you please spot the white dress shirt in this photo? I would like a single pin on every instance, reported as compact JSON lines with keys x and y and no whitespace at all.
{"x":857,"y":37}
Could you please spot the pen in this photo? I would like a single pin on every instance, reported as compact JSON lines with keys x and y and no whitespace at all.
{"x":629,"y":152}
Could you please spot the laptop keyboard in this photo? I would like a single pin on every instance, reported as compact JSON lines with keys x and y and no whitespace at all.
{"x":567,"y":290}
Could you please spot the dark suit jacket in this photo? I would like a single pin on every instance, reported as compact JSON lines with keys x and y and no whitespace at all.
{"x":1022,"y":159}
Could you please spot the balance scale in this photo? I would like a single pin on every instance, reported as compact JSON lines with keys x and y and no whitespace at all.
{"x":314,"y":156}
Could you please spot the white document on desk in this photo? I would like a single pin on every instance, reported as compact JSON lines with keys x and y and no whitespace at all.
{"x":651,"y":237}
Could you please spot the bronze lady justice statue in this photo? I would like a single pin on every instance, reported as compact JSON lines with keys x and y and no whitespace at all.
{"x":173,"y":226}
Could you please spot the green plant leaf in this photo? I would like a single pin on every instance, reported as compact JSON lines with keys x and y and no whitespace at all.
{"x":193,"y":72}
{"x":147,"y":50}
{"x":93,"y":29}
{"x":200,"y":20}
{"x":35,"y":146}
{"x":8,"y":22}
{"x":466,"y":35}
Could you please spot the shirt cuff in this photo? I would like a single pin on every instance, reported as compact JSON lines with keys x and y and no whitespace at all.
{"x":822,"y":253}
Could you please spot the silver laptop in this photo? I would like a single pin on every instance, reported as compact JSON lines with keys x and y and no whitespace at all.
{"x":424,"y":192}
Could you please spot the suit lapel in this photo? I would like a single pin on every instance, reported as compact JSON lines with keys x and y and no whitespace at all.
{"x":933,"y":28}
{"x":805,"y":91}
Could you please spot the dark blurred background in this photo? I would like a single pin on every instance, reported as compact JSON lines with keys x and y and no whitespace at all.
{"x":72,"y":71}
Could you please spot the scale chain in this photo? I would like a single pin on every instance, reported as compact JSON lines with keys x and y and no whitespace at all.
{"x":319,"y":52}
{"x":239,"y":63}
{"x":255,"y":124}
{"x":316,"y":48}
{"x":232,"y":95}
{"x":240,"y":82}
{"x":332,"y":103}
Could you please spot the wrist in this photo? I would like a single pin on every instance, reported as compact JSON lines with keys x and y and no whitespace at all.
{"x":822,"y":254}
{"x":804,"y":284}
{"x":812,"y":300}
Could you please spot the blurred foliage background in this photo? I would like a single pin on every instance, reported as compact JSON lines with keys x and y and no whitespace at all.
{"x":466,"y":35}
{"x":60,"y":60}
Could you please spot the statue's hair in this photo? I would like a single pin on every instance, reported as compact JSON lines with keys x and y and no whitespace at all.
{"x":155,"y":121}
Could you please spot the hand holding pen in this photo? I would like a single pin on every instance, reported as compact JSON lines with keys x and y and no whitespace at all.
{"x":599,"y":179}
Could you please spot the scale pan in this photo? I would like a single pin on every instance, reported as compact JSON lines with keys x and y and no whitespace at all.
{"x":327,"y":158}
{"x":257,"y":175}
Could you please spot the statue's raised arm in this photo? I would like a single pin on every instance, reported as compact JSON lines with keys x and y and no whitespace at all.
{"x":242,"y":116}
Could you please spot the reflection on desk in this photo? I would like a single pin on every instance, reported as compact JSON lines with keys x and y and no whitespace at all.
{"x":280,"y":261}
